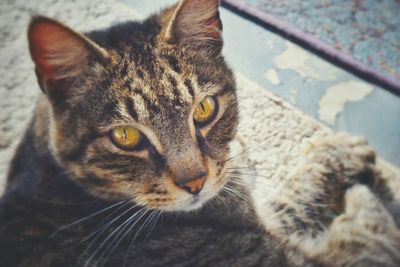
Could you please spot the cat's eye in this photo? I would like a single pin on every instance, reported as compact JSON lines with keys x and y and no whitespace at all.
{"x":126,"y":137}
{"x":205,"y":111}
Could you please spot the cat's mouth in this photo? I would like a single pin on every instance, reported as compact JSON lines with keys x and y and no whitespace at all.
{"x":167,"y":195}
{"x":184,"y":201}
{"x":195,"y":203}
{"x":195,"y":200}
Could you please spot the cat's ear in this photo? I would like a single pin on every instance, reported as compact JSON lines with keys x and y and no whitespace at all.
{"x":196,"y":23}
{"x":60,"y":54}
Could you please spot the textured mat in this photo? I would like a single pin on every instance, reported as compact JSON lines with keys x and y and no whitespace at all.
{"x":369,"y":30}
{"x":276,"y":141}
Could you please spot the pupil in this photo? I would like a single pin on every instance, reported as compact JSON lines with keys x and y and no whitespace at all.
{"x":202,"y":107}
{"x":125,"y":134}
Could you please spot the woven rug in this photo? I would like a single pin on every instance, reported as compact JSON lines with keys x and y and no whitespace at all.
{"x":277,"y":140}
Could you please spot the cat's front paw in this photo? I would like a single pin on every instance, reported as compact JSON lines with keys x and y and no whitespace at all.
{"x":364,"y":235}
{"x":313,"y":195}
{"x":346,"y":157}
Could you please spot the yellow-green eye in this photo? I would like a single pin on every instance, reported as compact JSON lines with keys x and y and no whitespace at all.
{"x":126,"y":137}
{"x":206,"y":110}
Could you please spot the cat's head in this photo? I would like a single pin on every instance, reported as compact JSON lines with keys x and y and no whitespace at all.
{"x":140,"y":111}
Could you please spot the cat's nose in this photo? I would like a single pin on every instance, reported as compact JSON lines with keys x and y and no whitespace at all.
{"x":192,"y":186}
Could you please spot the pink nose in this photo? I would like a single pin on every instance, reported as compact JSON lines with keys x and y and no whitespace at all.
{"x":193,"y":186}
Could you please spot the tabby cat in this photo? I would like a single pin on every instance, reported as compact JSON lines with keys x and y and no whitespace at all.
{"x":126,"y":161}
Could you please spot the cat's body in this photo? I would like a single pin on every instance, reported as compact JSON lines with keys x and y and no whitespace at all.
{"x":127,"y":156}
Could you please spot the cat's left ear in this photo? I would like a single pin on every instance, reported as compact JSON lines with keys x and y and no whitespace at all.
{"x":60,"y":55}
{"x":196,"y":23}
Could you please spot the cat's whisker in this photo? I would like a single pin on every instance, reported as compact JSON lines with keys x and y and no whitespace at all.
{"x":136,"y":234}
{"x":236,"y":193}
{"x":236,"y":167}
{"x":242,"y":169}
{"x":113,"y":232}
{"x":117,"y":240}
{"x":242,"y":177}
{"x":239,"y":181}
{"x":249,"y":174}
{"x":247,"y":150}
{"x":153,"y":223}
{"x":238,"y":178}
{"x":278,"y":184}
{"x":222,"y":199}
{"x":103,"y":225}
{"x":244,"y":151}
{"x":102,"y":231}
{"x":143,"y":225}
{"x":86,"y":218}
{"x":157,"y":212}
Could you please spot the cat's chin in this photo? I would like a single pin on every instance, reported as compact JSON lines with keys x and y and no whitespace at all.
{"x":196,"y":203}
{"x":191,"y":203}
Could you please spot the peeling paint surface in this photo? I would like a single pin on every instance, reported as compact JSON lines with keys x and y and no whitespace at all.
{"x":304,"y":63}
{"x":335,"y":98}
{"x":272,"y":76}
{"x":293,"y":96}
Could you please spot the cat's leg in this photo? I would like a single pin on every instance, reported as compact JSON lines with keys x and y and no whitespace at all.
{"x":364,"y":235}
{"x":324,"y":211}
{"x":300,"y":208}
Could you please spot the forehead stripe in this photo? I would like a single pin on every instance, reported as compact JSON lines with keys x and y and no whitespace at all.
{"x":189,"y":86}
{"x":174,"y":86}
{"x":177,"y":94}
{"x":150,"y":105}
{"x":173,"y":63}
{"x":131,"y":108}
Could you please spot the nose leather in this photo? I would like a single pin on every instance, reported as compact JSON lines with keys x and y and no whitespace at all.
{"x":193,"y":186}
{"x":184,"y":160}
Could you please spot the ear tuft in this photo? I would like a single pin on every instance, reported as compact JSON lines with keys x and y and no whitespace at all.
{"x":58,"y":52}
{"x":196,"y":22}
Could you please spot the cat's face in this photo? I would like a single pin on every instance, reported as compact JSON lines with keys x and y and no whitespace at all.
{"x":141,"y":111}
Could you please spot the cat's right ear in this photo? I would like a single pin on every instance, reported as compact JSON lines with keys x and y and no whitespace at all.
{"x":60,"y":55}
{"x":196,"y":23}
